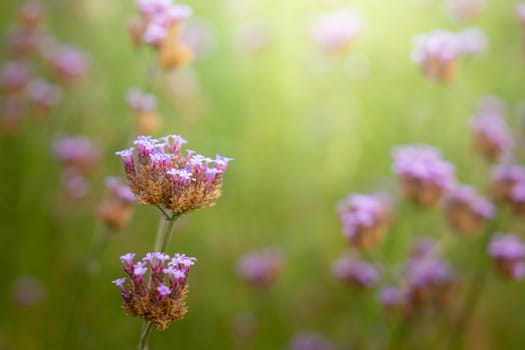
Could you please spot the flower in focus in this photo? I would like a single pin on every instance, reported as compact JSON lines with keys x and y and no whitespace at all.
{"x":336,"y":31}
{"x":437,"y":54}
{"x":260,"y":269}
{"x":161,"y":297}
{"x":364,"y":219}
{"x":159,"y":174}
{"x":425,"y":177}
{"x":117,"y":211}
{"x":143,"y":106}
{"x":491,"y":135}
{"x":356,"y":273}
{"x":508,"y":254}
{"x":466,"y":211}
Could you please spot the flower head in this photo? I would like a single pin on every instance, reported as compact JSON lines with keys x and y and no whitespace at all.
{"x":68,"y":63}
{"x":424,"y":175}
{"x":260,"y":269}
{"x":78,"y":152}
{"x":436,"y":53}
{"x":336,"y":31}
{"x":467,"y":211}
{"x":161,"y":175}
{"x":364,"y":218}
{"x":355,"y":272}
{"x":508,"y":254}
{"x":159,"y":298}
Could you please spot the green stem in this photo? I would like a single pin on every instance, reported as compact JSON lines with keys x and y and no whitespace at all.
{"x":143,"y":342}
{"x":475,"y":290}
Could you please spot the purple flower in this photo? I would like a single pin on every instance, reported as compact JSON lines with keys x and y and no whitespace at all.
{"x":436,"y":53}
{"x":508,"y":253}
{"x":261,"y":268}
{"x":520,"y":10}
{"x":336,"y":31}
{"x":159,"y":298}
{"x":310,"y":341}
{"x":355,"y":272}
{"x":141,"y":102}
{"x":392,"y":296}
{"x":43,"y":94}
{"x":465,"y":9}
{"x":69,"y":63}
{"x":424,"y":175}
{"x":492,"y":136}
{"x":80,"y":153}
{"x":472,"y":41}
{"x":14,"y":76}
{"x":467,"y":211}
{"x":364,"y":219}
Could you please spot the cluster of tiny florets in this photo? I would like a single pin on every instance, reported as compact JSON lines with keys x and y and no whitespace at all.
{"x":437,"y":52}
{"x":161,"y":297}
{"x":425,"y":177}
{"x":118,"y":209}
{"x":466,"y":210}
{"x":364,"y":219}
{"x":159,"y":174}
{"x":355,"y":272}
{"x":160,"y":26}
{"x":508,"y":254}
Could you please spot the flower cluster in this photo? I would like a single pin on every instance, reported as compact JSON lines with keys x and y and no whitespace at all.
{"x":508,"y":254}
{"x":161,"y":297}
{"x":29,"y":47}
{"x":79,"y":156}
{"x":425,"y":177}
{"x":467,"y":211}
{"x":465,"y":9}
{"x":491,"y":135}
{"x":336,"y":31}
{"x":143,"y":106}
{"x":364,"y":219}
{"x":159,"y":174}
{"x":310,"y":341}
{"x":428,"y":281}
{"x":117,"y":211}
{"x":355,"y":272}
{"x":160,"y":26}
{"x":508,"y":186}
{"x":260,"y":269}
{"x":437,"y":52}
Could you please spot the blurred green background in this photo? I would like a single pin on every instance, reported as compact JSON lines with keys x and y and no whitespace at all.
{"x":305,"y":129}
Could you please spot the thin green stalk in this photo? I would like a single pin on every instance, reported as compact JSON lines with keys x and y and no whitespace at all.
{"x":143,"y":342}
{"x":475,"y":289}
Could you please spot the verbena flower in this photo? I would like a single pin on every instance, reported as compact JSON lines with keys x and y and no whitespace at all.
{"x":160,"y":26}
{"x":69,"y":64}
{"x":467,"y":211}
{"x":43,"y":95}
{"x":156,"y":287}
{"x":117,"y":211}
{"x":508,"y":254}
{"x":14,"y":77}
{"x":364,"y":219}
{"x":337,"y":31}
{"x":425,"y":177}
{"x":472,"y":41}
{"x":31,"y":15}
{"x":491,"y":135}
{"x":355,"y":272}
{"x":504,"y":177}
{"x":465,"y":9}
{"x":437,"y":54}
{"x":517,"y":197}
{"x":143,"y":105}
{"x":159,"y":173}
{"x":310,"y":341}
{"x":261,"y":268}
{"x":79,"y":152}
